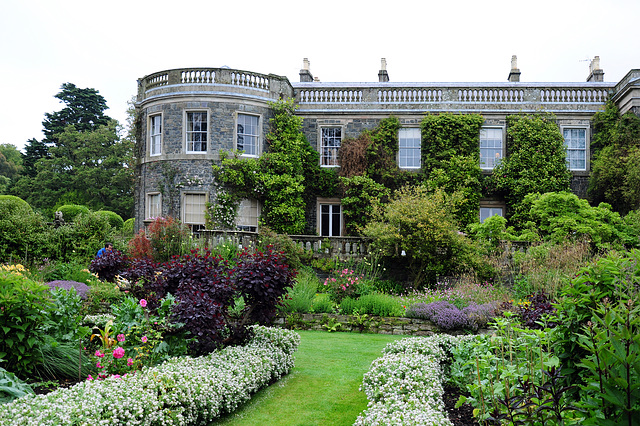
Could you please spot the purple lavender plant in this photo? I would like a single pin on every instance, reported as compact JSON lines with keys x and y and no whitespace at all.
{"x":81,"y":288}
{"x":443,"y":314}
{"x":480,"y":315}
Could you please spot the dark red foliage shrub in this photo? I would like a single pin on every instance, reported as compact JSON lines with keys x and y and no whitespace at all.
{"x":196,"y":272}
{"x":109,"y":265}
{"x":533,"y":313}
{"x":262,"y":279}
{"x":206,"y":288}
{"x":141,"y":274}
{"x":203,"y":318}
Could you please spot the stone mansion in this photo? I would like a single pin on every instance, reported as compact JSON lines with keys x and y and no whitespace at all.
{"x":188,"y":116}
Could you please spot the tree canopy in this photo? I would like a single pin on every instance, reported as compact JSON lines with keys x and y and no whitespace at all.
{"x":84,"y":109}
{"x":92,"y":168}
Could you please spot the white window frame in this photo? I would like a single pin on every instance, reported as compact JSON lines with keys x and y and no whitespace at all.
{"x":488,"y":211}
{"x":248,"y":215}
{"x":493,"y":149}
{"x":188,"y":134}
{"x":187,"y":217}
{"x":252,"y":136}
{"x":329,"y":154}
{"x":584,"y":150}
{"x":155,"y":135}
{"x":332,"y":204}
{"x":410,"y":136}
{"x":151,"y":207}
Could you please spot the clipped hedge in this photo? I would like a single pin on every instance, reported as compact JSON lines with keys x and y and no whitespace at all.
{"x":115,"y":220}
{"x":70,"y":211}
{"x":181,"y":391}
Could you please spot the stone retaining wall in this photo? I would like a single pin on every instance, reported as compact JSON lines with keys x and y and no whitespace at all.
{"x":361,"y":324}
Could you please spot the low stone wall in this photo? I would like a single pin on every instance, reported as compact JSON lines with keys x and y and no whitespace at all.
{"x":361,"y":324}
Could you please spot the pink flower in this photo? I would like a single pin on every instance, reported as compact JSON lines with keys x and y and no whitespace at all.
{"x":120,"y":337}
{"x":98,"y":365}
{"x":118,"y":352}
{"x":116,"y":376}
{"x":89,"y":378}
{"x":129,"y":362}
{"x":99,"y":354}
{"x":144,"y":339}
{"x":143,"y":303}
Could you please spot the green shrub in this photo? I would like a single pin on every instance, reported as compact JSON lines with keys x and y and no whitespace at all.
{"x":295,"y":254}
{"x":614,"y":277}
{"x":376,"y":304}
{"x":115,"y":220}
{"x":11,"y":205}
{"x":422,"y":225}
{"x":81,"y":239}
{"x":128,"y":228}
{"x":64,"y":318}
{"x":322,"y":304}
{"x":23,"y":233}
{"x":102,"y":296}
{"x":562,"y":216}
{"x":23,"y":305}
{"x":300,"y":297}
{"x":70,"y":211}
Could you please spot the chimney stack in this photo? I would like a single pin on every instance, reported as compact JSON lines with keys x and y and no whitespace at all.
{"x":305,"y":73}
{"x":514,"y":74}
{"x":383,"y":75}
{"x":595,"y":72}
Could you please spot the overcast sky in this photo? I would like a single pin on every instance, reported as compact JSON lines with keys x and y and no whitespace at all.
{"x":108,"y":45}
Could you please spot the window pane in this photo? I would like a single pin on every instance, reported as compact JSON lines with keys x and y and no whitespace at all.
{"x":247,"y":134}
{"x":154,"y":206}
{"x":330,"y":220}
{"x":247,"y":219}
{"x":155,"y":134}
{"x":409,"y":148}
{"x":575,"y":141}
{"x":486,"y":212}
{"x":329,"y":146}
{"x":491,"y":150}
{"x":196,"y":131}
{"x":194,"y":205}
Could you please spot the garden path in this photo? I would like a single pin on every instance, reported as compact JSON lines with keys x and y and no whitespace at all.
{"x":322,"y":389}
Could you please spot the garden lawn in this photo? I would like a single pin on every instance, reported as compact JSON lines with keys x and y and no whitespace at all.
{"x":322,"y":388}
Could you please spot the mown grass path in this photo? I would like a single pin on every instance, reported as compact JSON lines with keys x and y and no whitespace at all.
{"x":322,"y":389}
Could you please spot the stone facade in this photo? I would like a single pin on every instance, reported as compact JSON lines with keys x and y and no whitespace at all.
{"x":168,"y":173}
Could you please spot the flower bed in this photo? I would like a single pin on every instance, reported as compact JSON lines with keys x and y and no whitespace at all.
{"x":404,"y":386}
{"x":182,"y":391}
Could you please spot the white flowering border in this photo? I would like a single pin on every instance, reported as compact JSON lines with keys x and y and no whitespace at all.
{"x":181,"y":391}
{"x":404,"y":386}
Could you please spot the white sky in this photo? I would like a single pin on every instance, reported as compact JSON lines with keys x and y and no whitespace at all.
{"x":108,"y":45}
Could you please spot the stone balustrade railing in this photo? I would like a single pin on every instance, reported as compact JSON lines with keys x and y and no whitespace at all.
{"x":330,"y":95}
{"x":212,"y":76}
{"x":341,"y":247}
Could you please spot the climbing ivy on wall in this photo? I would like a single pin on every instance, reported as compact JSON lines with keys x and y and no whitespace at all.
{"x":281,"y":179}
{"x":445,"y":136}
{"x":451,"y":159}
{"x":535,"y":162}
